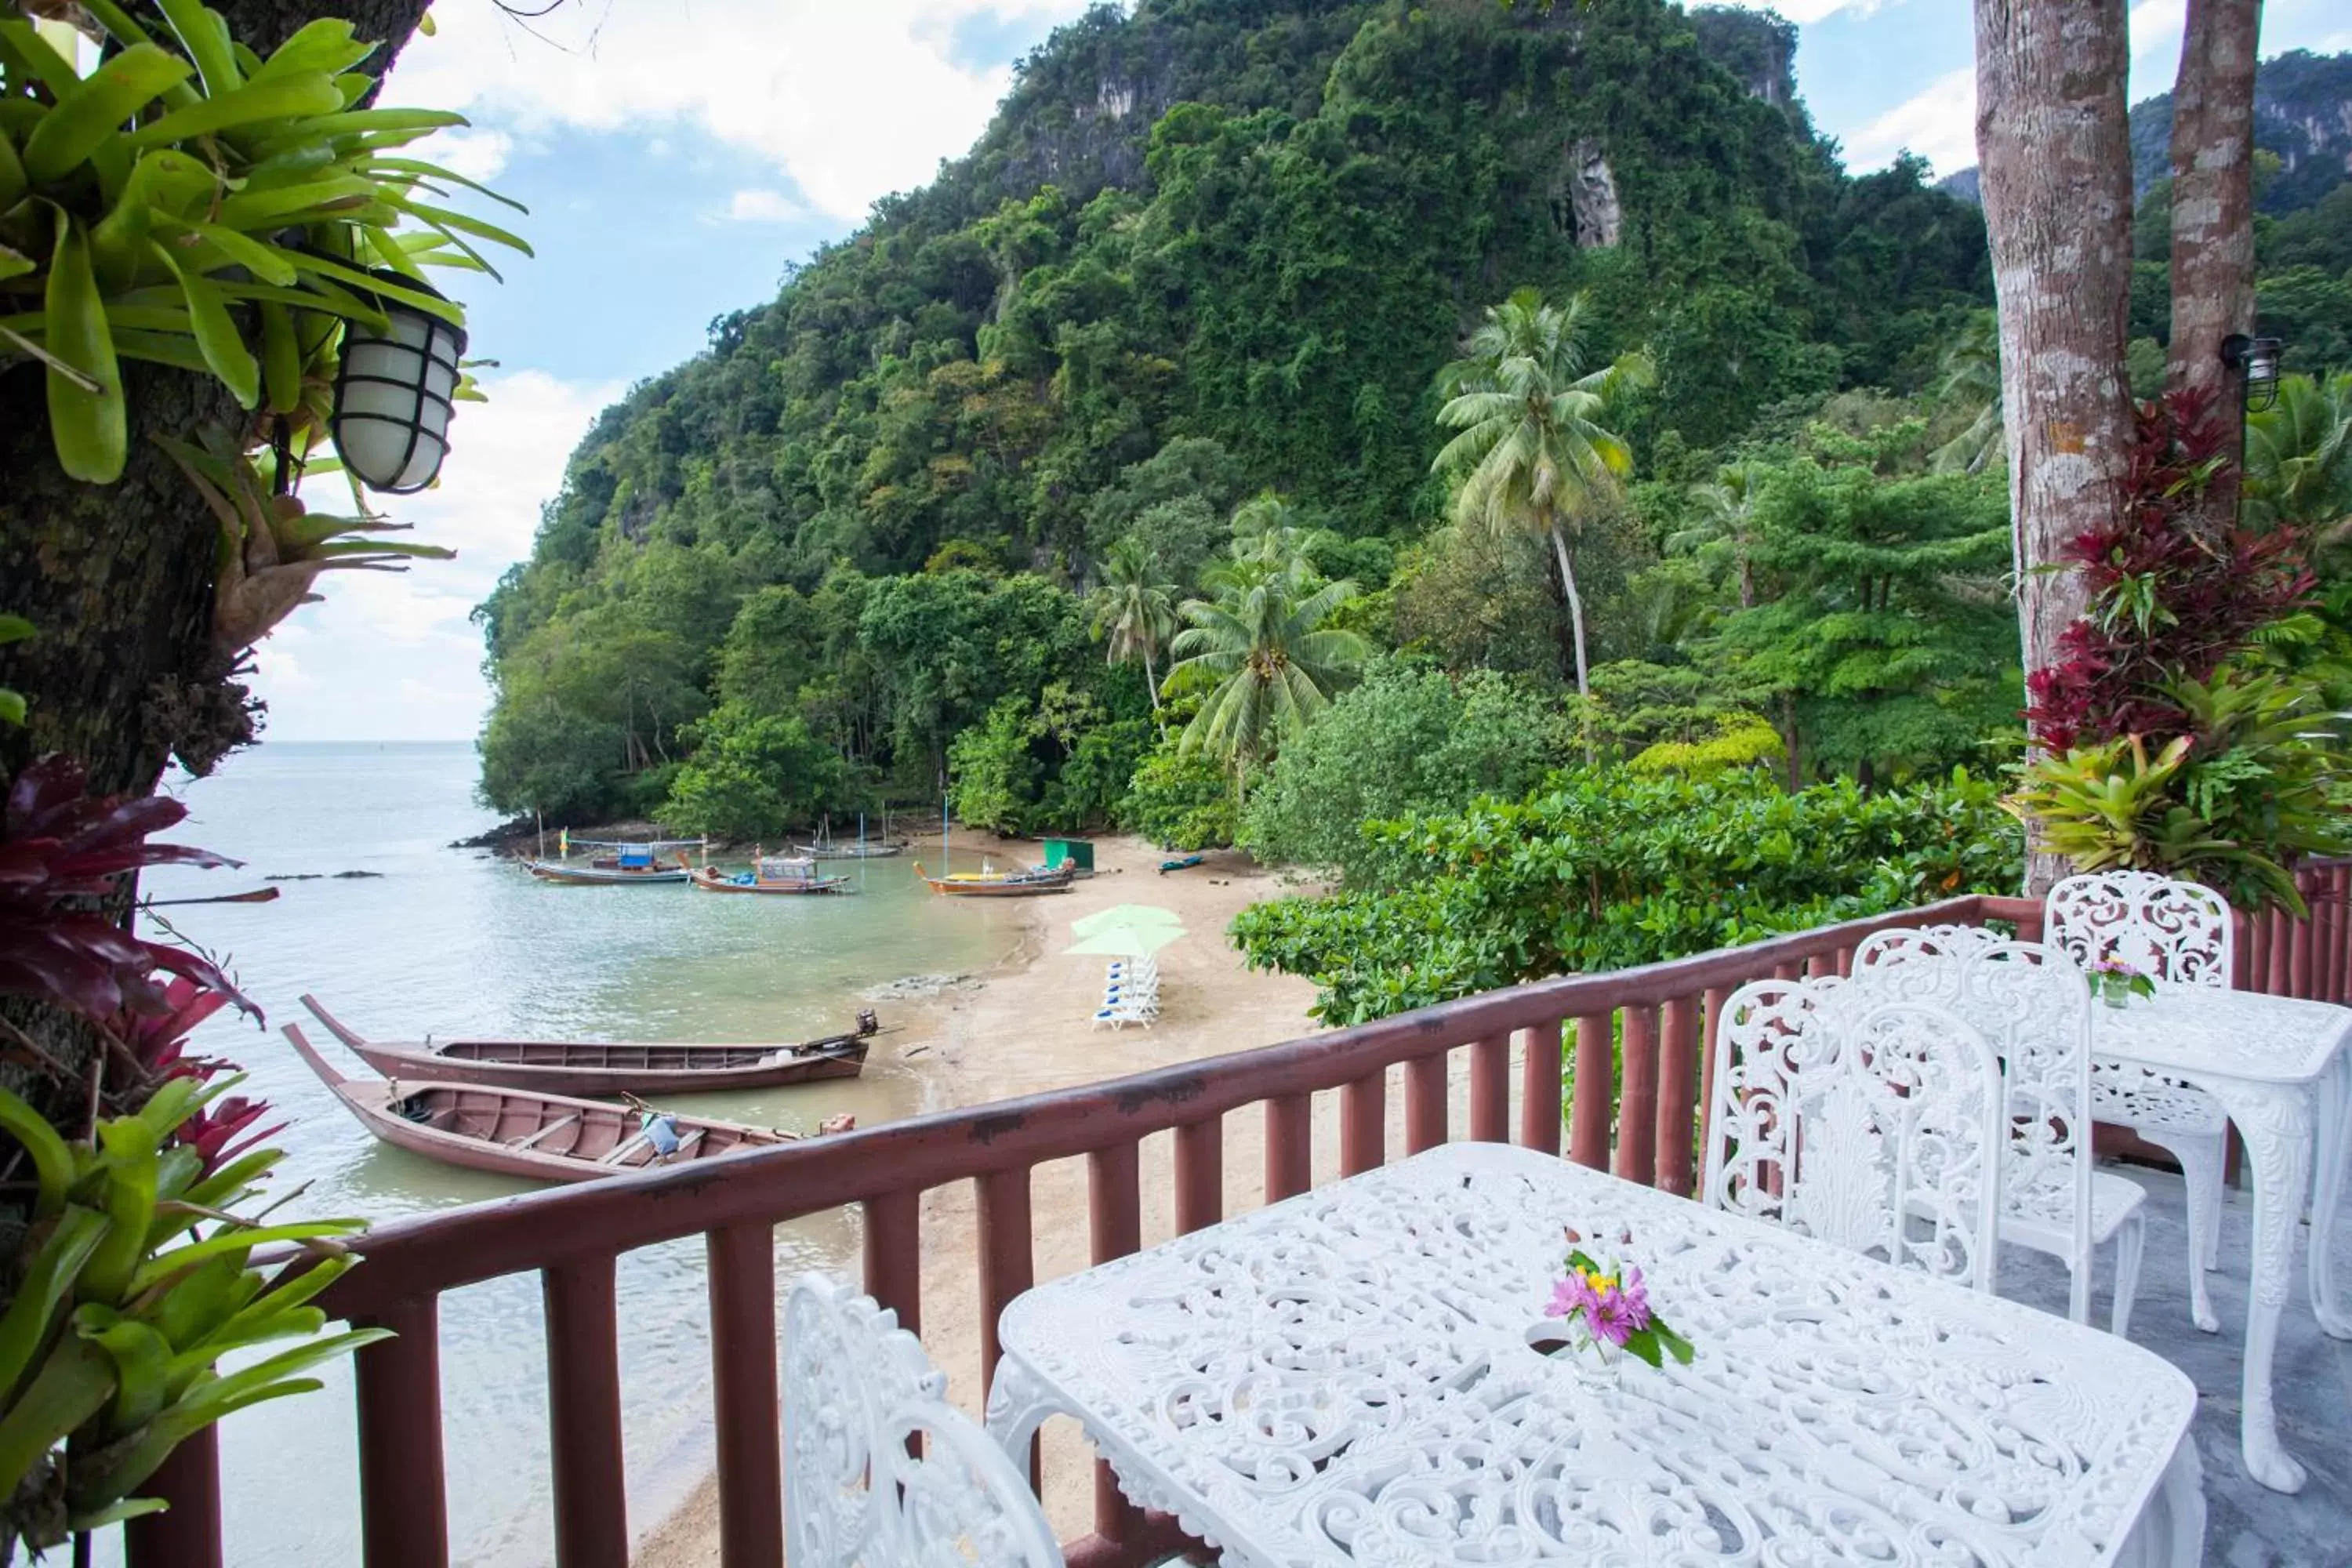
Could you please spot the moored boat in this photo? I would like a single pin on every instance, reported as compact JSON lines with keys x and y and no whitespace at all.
{"x":610,"y":1066}
{"x":784,"y":874}
{"x":999,"y":884}
{"x":826,"y":847}
{"x":627,"y":865}
{"x":543,"y":1137}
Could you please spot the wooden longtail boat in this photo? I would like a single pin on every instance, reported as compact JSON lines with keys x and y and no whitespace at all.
{"x":629,"y":864}
{"x":613,"y":1068}
{"x":999,"y":884}
{"x":787,"y":873}
{"x":544,"y":1137}
{"x":826,"y":847}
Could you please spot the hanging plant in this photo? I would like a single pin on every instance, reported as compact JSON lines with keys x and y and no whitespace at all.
{"x":194,"y":205}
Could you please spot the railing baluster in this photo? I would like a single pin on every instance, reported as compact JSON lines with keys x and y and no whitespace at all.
{"x":1596,"y":1087}
{"x":1200,"y":1174}
{"x":583,"y":1414}
{"x":1540,"y":1087}
{"x":404,"y":1500}
{"x":1007,"y":1264}
{"x":2246,"y":968}
{"x":2339,"y":922}
{"x":1424,"y":1102}
{"x":1115,"y":1228}
{"x":894,"y":1255}
{"x":188,"y":1533}
{"x":1677,"y":1088}
{"x":1716,"y":997}
{"x":2281,"y":946}
{"x":2299,"y":966}
{"x":1490,"y":1089}
{"x":1363,"y":1123}
{"x":742,"y":1260}
{"x":1290,"y":1146}
{"x":1637,"y":1106}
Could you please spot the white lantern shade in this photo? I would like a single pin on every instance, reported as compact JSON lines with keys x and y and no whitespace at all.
{"x":393,"y":396}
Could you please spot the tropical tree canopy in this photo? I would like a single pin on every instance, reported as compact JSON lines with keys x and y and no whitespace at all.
{"x":1261,"y":654}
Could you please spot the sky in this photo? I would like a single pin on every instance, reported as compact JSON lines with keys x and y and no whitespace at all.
{"x":678,"y":157}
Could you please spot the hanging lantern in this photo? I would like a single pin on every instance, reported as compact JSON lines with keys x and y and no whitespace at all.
{"x":2256,"y":361}
{"x":392,"y":394}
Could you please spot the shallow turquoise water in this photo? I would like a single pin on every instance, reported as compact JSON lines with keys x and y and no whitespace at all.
{"x":453,"y":942}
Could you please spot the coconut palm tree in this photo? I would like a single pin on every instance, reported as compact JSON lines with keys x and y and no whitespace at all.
{"x":1725,"y":526}
{"x":1531,"y":449}
{"x":1134,"y":611}
{"x":1972,"y":382}
{"x":1264,"y":658}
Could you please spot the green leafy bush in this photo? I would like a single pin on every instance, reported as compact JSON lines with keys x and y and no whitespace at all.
{"x":1610,"y":869}
{"x":1406,"y":739}
{"x":2256,"y":783}
{"x":1180,"y":801}
{"x":755,"y":774}
{"x":993,"y":782}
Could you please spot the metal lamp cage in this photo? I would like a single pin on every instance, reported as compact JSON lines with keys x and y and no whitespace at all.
{"x":2256,"y":361}
{"x":393,"y":394}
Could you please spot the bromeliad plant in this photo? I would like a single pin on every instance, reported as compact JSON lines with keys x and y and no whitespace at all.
{"x":191,"y":203}
{"x":133,"y":1273}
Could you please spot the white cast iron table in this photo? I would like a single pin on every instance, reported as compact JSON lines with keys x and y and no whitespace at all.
{"x":1346,"y":1378}
{"x":2281,"y":1069}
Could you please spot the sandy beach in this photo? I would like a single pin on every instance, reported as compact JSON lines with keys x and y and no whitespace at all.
{"x":1028,"y":1027}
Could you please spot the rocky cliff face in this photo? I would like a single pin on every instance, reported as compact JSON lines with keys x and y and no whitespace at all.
{"x":2303,"y":113}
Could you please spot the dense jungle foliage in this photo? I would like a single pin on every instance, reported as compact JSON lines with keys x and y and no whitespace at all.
{"x":1101,"y":480}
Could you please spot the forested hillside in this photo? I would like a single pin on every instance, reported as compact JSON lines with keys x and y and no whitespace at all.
{"x":1163,"y":351}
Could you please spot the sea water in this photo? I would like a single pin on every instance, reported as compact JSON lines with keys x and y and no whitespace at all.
{"x":444,"y":942}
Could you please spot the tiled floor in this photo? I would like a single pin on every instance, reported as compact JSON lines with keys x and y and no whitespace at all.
{"x":2249,"y":1526}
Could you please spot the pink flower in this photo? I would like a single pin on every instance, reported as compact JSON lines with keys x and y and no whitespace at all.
{"x":1610,"y":1318}
{"x":1569,"y":1296}
{"x":1635,"y":1294}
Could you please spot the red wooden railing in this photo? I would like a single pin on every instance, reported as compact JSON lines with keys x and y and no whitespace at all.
{"x":1665,"y":1015}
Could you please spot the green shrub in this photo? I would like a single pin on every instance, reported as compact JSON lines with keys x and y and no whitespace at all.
{"x":992,"y":780}
{"x":1180,"y":801}
{"x":1406,"y":739}
{"x":1610,"y":869}
{"x":755,"y":774}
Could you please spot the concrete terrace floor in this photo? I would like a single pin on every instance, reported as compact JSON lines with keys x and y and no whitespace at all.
{"x":2247,"y":1525}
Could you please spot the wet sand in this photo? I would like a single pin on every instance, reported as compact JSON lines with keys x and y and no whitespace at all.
{"x":1029,"y":1028}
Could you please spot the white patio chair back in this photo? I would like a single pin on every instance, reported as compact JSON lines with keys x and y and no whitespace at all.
{"x":2163,"y":927}
{"x":858,"y":1387}
{"x":1871,"y":1125}
{"x":1917,"y":963}
{"x":2034,"y":1006}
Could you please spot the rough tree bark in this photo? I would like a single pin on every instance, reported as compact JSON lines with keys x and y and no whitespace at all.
{"x":2212,"y":193}
{"x":2055,"y":155}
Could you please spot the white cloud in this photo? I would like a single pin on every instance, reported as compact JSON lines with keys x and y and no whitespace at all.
{"x":852,"y":101}
{"x":764,"y":206}
{"x":1939,"y":124}
{"x":395,"y":657}
{"x":477,"y":153}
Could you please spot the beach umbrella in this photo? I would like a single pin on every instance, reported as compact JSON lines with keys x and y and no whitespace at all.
{"x":1126,"y":941}
{"x":1120,"y":916}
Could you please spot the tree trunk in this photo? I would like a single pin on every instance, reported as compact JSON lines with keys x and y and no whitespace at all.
{"x":1575,"y":608}
{"x":1151,"y":680}
{"x":2054,"y":151}
{"x":2212,"y":192}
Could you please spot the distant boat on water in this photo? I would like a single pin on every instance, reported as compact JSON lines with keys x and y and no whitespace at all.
{"x":987,"y":884}
{"x":610,"y":1066}
{"x":544,"y":1137}
{"x":826,"y":847}
{"x":787,"y":873}
{"x":625,"y":864}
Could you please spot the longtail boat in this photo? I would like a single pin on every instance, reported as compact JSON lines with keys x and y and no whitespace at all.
{"x":543,"y":1137}
{"x":999,"y":884}
{"x":628,"y":863}
{"x":607,"y":1067}
{"x":787,"y":873}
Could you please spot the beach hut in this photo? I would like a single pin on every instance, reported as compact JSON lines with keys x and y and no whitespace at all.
{"x":1076,"y":852}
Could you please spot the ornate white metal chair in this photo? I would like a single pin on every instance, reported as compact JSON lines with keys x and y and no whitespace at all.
{"x":2035,"y":1007}
{"x":2180,"y":933}
{"x":857,"y":1388}
{"x":1872,"y":1126}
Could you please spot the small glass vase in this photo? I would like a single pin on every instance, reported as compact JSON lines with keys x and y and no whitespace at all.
{"x":1570,"y":1340}
{"x":2114,"y":995}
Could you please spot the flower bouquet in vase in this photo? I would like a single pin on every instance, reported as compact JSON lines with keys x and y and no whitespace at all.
{"x":2117,"y":982}
{"x":1605,"y":1309}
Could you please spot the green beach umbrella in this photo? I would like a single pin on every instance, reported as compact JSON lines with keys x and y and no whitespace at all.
{"x":1126,"y":941}
{"x":1126,"y":916}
